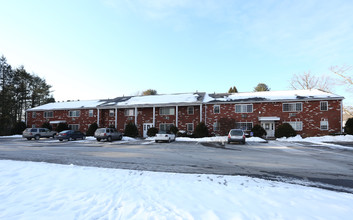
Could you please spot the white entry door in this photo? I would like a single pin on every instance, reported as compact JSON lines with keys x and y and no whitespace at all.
{"x":146,"y":126}
{"x":269,"y":128}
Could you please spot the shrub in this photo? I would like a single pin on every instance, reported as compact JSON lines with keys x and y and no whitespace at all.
{"x":174,"y":129}
{"x":201,"y":130}
{"x":258,"y":131}
{"x":47,"y":125}
{"x":349,"y":126}
{"x":91,"y":129}
{"x":151,"y":132}
{"x":19,"y":128}
{"x":131,"y":130}
{"x":285,"y":130}
{"x":62,"y":127}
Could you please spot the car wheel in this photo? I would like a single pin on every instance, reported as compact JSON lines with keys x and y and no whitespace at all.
{"x":53,"y":136}
{"x":109,"y":138}
{"x":169,"y":140}
{"x":243,"y":142}
{"x":83,"y":137}
{"x":156,"y":141}
{"x":29,"y":139}
{"x":37,"y":137}
{"x":98,"y":139}
{"x":120,"y":137}
{"x":228,"y":142}
{"x":70,"y":139}
{"x":60,"y":139}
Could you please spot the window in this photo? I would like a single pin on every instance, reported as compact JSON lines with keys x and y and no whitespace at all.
{"x":292,"y":107}
{"x":74,"y":127}
{"x":248,"y":108}
{"x":34,"y":114}
{"x":323,"y":106}
{"x":111,"y":113}
{"x":216,"y":126}
{"x":74,"y":113}
{"x":190,"y":110}
{"x":48,"y":114}
{"x":245,"y":126}
{"x":167,"y":111}
{"x":296,"y":125}
{"x":90,"y":113}
{"x":216,"y":109}
{"x":165,"y":127}
{"x":190,"y":127}
{"x":129,"y":112}
{"x":324,"y":125}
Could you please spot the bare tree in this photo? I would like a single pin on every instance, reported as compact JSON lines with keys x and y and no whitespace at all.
{"x":342,"y":72}
{"x":310,"y":81}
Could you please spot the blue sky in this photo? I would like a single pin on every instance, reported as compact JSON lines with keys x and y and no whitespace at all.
{"x":90,"y":49}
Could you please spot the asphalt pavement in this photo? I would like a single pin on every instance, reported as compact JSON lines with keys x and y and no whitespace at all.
{"x":299,"y":163}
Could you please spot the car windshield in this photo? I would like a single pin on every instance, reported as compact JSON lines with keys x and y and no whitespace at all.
{"x":28,"y":129}
{"x":162,"y":132}
{"x":64,"y":132}
{"x":236,"y":132}
{"x":100,"y":130}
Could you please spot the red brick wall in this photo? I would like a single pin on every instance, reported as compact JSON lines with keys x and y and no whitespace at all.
{"x":310,"y":116}
{"x":63,"y":115}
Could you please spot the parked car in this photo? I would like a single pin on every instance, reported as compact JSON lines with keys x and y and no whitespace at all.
{"x":236,"y":135}
{"x":108,"y":134}
{"x":70,"y":135}
{"x":164,"y":136}
{"x":38,"y":133}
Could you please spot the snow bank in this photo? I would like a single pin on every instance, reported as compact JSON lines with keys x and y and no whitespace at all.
{"x":322,"y":140}
{"x":217,"y":139}
{"x":31,"y":190}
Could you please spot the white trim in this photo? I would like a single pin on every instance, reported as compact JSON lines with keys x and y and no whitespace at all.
{"x":98,"y":117}
{"x":241,"y":108}
{"x":201,"y":114}
{"x":154,"y":116}
{"x":341,"y":116}
{"x":274,"y":118}
{"x":292,"y":103}
{"x":136,"y":116}
{"x":326,"y":106}
{"x":219,"y":107}
{"x":116,"y":118}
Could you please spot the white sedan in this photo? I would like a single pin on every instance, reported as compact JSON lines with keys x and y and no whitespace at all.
{"x":164,"y":136}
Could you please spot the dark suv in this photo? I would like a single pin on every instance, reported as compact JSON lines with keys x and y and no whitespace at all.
{"x":108,"y":134}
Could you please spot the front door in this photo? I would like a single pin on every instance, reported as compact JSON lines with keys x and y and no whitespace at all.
{"x":146,"y":126}
{"x":269,"y":128}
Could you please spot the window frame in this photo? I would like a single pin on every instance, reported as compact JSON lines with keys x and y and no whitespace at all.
{"x":244,"y":107}
{"x":216,"y":126}
{"x":322,"y":124}
{"x":295,"y":127}
{"x":290,"y":109}
{"x":90,"y":113}
{"x":71,"y":126}
{"x":214,"y":109}
{"x":238,"y":125}
{"x":166,"y":111}
{"x":129,"y":112}
{"x":34,"y":114}
{"x":321,"y":104}
{"x":73,"y":113}
{"x":111,"y":112}
{"x":45,"y":115}
{"x":187,"y":127}
{"x":190,"y":112}
{"x":166,"y":126}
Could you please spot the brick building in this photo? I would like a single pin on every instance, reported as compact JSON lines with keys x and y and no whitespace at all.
{"x":310,"y":112}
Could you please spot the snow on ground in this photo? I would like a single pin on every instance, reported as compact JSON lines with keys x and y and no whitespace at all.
{"x":30,"y":190}
{"x":210,"y":139}
{"x":322,"y":140}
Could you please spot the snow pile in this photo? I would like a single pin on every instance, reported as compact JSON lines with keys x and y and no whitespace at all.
{"x":31,"y":190}
{"x":322,"y":140}
{"x":160,"y":99}
{"x":12,"y":136}
{"x":68,"y":105}
{"x":216,"y":139}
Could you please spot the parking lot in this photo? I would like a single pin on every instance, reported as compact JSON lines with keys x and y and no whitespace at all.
{"x":297,"y":162}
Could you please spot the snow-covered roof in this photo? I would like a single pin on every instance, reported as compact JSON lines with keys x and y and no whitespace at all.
{"x":163,"y":99}
{"x":270,"y":96}
{"x":191,"y":98}
{"x":68,"y":105}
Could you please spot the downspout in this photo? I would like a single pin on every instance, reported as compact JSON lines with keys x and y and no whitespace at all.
{"x":136,"y":116}
{"x":154,"y":116}
{"x":116,"y":118}
{"x":98,"y":117}
{"x":200,"y":112}
{"x":341,"y":116}
{"x":176,"y":116}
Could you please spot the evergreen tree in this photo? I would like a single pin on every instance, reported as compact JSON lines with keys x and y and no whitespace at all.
{"x":233,"y":90}
{"x":201,"y":130}
{"x":131,"y":130}
{"x":92,"y":128}
{"x":261,"y":87}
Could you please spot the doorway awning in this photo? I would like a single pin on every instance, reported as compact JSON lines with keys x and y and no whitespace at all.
{"x":269,"y":118}
{"x":57,"y":122}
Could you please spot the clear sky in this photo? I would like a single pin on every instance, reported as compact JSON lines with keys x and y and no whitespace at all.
{"x":91,"y":49}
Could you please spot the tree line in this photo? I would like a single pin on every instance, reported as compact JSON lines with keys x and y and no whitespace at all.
{"x":19,"y":90}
